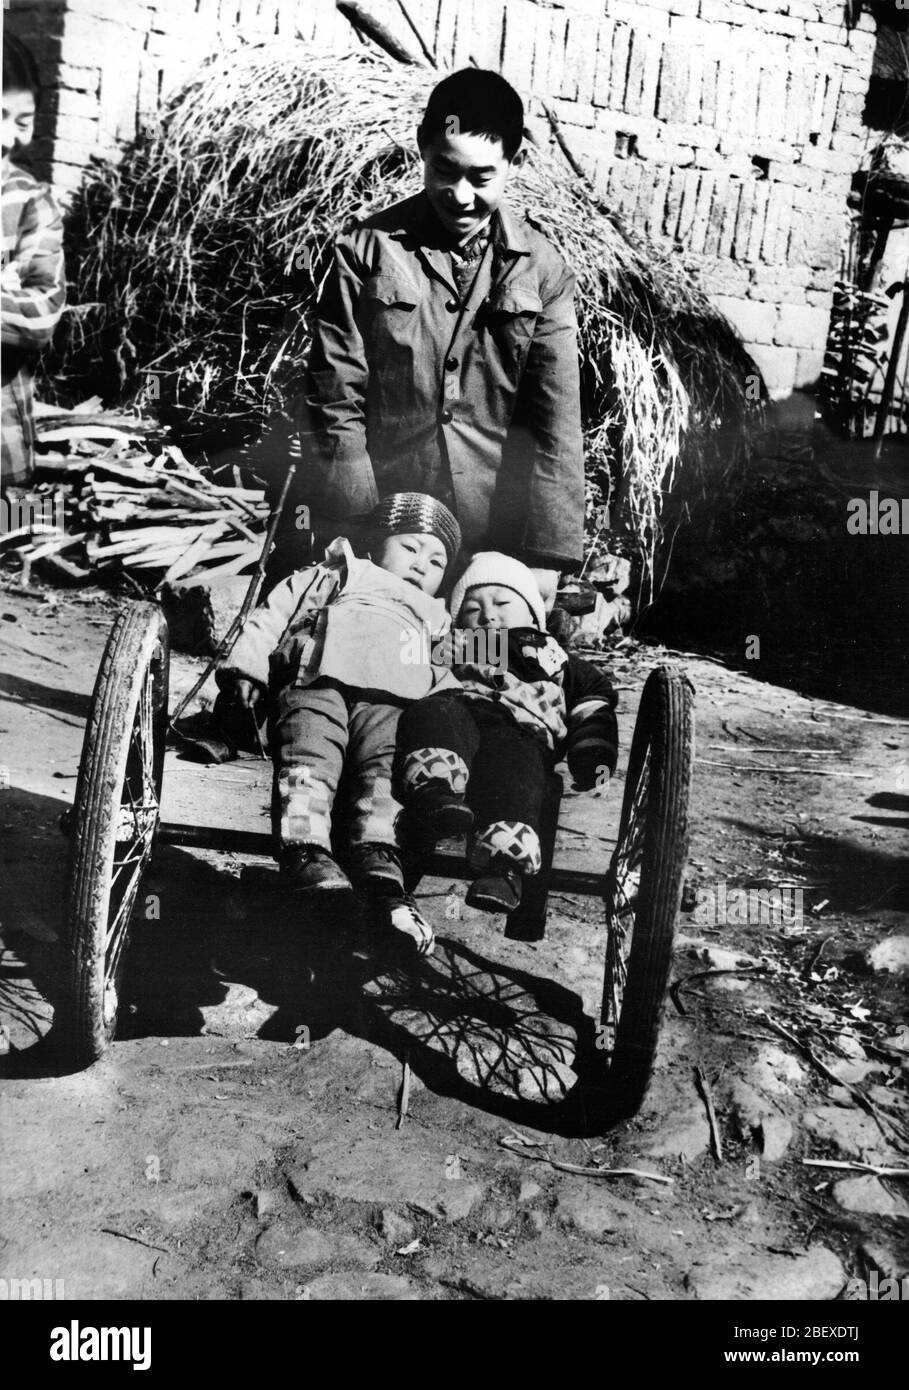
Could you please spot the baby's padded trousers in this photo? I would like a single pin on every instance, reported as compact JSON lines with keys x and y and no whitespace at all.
{"x":317,"y":731}
{"x":478,"y":748}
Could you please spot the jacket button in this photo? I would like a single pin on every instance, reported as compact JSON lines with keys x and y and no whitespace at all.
{"x":452,"y":364}
{"x":452,"y":306}
{"x":447,"y":417}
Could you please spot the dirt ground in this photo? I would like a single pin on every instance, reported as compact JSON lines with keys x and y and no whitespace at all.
{"x":241,"y":1139}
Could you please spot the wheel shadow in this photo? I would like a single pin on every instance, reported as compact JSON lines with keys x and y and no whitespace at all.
{"x":498,"y":1038}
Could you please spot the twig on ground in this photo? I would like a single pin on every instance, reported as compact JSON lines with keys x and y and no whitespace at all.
{"x":880,"y":1119}
{"x":404,"y":1094}
{"x":790,"y":771}
{"x":121,"y":1235}
{"x":857,"y":1167}
{"x":676,"y":988}
{"x":822,"y":945}
{"x":703,"y":1086}
{"x":519,"y":1144}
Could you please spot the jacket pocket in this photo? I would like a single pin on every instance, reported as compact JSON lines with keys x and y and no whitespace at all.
{"x":508,"y":320}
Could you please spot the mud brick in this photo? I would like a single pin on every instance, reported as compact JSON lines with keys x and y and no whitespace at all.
{"x":725,"y":277}
{"x":571,"y":113}
{"x":708,"y":157}
{"x":730,"y":217}
{"x":557,"y":51}
{"x":721,"y":12}
{"x":721,"y":196}
{"x":799,"y":96}
{"x":78,"y":79}
{"x":643,"y":73}
{"x":803,"y":9}
{"x":800,"y":325}
{"x":708,"y":89}
{"x":726,"y":79}
{"x":702,"y":206}
{"x":673,"y":203}
{"x":754,"y":321}
{"x":828,"y":111}
{"x":690,"y":180}
{"x":689,"y":31}
{"x":769,"y":6}
{"x":683,"y":7}
{"x":743,"y":221}
{"x":827,"y":33}
{"x":517,"y":59}
{"x":674,"y":70}
{"x":542,"y":50}
{"x":829,"y":161}
{"x":603,"y":68}
{"x":581,"y":57}
{"x":627,"y":184}
{"x":778,"y":251}
{"x":758,"y":219}
{"x":695,"y":83}
{"x":771,"y":223}
{"x":621,"y":45}
{"x":653,"y":213}
{"x":779,"y":24}
{"x":771,"y":119}
{"x":744,"y":100}
{"x":68,"y":103}
{"x":445,"y":31}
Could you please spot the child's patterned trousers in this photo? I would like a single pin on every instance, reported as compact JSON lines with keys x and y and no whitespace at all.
{"x":317,"y":732}
{"x":475,"y":746}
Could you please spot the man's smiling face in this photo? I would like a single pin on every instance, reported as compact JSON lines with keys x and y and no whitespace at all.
{"x":464,"y":177}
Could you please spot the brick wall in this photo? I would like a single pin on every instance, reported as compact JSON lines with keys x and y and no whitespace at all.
{"x":731,"y":127}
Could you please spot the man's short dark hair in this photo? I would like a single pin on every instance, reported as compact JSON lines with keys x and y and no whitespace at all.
{"x":20,"y":71}
{"x":475,"y":101}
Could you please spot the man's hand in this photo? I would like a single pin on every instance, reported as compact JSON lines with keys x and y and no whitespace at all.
{"x":548,"y":581}
{"x":246,"y":694}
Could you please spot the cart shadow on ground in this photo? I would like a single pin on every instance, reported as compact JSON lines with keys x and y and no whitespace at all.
{"x":210,"y":957}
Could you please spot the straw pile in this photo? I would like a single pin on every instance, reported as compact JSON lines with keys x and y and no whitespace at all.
{"x":199,"y":255}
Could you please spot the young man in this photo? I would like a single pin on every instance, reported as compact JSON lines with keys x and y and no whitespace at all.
{"x":33,"y":285}
{"x":444,"y":356}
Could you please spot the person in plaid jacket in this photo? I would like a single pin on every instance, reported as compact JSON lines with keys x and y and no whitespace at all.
{"x":32,"y":283}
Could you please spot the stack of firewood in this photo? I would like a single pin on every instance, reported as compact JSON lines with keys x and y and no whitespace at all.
{"x":134,"y":503}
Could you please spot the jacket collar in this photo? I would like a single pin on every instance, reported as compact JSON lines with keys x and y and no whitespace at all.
{"x":419,"y":223}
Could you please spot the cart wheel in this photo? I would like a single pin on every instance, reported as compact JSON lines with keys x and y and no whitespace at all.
{"x":115,"y":817}
{"x":644,"y":886}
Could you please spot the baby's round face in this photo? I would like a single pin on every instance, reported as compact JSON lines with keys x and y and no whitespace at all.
{"x":494,"y":605}
{"x":417,"y":557}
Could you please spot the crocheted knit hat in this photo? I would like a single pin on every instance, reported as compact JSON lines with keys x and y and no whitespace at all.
{"x":491,"y":567}
{"x":418,"y":513}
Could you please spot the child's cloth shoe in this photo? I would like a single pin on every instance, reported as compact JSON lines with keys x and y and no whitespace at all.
{"x":309,"y":869}
{"x":377,"y":869}
{"x":438,"y":814}
{"x":499,"y":888}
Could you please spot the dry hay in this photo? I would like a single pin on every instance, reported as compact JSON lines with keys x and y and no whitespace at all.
{"x":197,"y":257}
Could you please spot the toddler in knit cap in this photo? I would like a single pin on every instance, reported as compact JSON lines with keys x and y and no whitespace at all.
{"x":477,"y":758}
{"x":327,"y":646}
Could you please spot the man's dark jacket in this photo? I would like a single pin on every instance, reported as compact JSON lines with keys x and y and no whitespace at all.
{"x":474,"y":400}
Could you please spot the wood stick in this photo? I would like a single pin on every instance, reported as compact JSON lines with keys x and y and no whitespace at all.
{"x":858,"y":1096}
{"x":520,"y":1145}
{"x":792,"y":771}
{"x":857,"y":1167}
{"x":417,"y":35}
{"x":703,"y":1086}
{"x":363,"y":21}
{"x":404,"y":1095}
